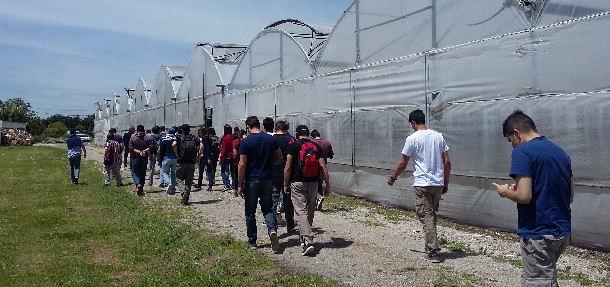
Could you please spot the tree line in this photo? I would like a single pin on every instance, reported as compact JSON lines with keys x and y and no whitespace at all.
{"x":18,"y":110}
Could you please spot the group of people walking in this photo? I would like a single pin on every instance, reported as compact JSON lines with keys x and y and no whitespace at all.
{"x":274,"y":169}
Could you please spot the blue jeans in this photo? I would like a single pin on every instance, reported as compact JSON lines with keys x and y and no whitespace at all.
{"x":151,"y":167}
{"x":320,"y":187}
{"x":74,"y":167}
{"x":168,"y":170}
{"x":209,"y":170}
{"x":138,"y":170}
{"x":228,"y":165}
{"x":255,"y":189}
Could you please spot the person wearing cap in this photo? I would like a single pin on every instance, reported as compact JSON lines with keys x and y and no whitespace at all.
{"x":139,"y":147}
{"x":188,"y":148}
{"x":258,"y":153}
{"x":302,"y":187}
{"x":168,"y":161}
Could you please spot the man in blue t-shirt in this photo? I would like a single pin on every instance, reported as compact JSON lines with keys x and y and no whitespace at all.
{"x":543,"y":192}
{"x":75,"y":149}
{"x":258,"y":152}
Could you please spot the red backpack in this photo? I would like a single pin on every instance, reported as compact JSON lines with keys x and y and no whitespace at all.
{"x":308,"y":159}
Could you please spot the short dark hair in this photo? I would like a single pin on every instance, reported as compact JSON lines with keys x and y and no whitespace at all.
{"x":72,"y":131}
{"x":211,"y":131}
{"x":518,"y":120}
{"x":418,"y":116}
{"x":110,"y":137}
{"x":140,"y":128}
{"x":315,"y":133}
{"x":112,"y":131}
{"x":203,"y":131}
{"x":268,"y":124}
{"x":253,"y":122}
{"x":156,"y":129}
{"x":162,"y":128}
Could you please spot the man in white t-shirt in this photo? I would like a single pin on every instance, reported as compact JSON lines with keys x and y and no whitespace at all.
{"x":431,"y":169}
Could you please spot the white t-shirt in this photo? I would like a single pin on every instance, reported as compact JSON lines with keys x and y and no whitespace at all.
{"x":425,"y":148}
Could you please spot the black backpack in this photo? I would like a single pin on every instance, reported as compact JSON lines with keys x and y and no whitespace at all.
{"x":188,"y":147}
{"x":215,"y":146}
{"x":156,"y":139}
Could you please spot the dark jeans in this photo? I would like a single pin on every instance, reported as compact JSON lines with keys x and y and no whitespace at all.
{"x":228,"y":166}
{"x":278,"y":188}
{"x":74,"y":167}
{"x":138,"y":170}
{"x":185,"y":172}
{"x":255,"y":190}
{"x":125,"y":154}
{"x":209,"y":171}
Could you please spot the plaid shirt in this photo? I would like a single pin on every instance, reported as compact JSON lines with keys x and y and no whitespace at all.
{"x":115,"y":148}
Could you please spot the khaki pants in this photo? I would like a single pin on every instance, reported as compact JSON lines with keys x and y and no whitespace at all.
{"x":303,"y":195}
{"x":115,"y":169}
{"x":426,"y":206}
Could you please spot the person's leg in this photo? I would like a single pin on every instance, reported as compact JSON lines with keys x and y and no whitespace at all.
{"x":164,"y":167}
{"x":180,"y":177}
{"x":265,"y":188}
{"x":125,"y":154}
{"x":201,"y":170}
{"x":116,"y":170}
{"x":134,"y":175}
{"x":539,"y":258}
{"x":190,"y":175}
{"x":311,"y":193}
{"x":299,"y":201}
{"x":426,"y":204}
{"x":250,"y":202}
{"x":151,"y":165}
{"x":224,"y":173}
{"x":107,"y":170}
{"x":173,"y":166}
{"x":76,"y":168}
{"x":277,"y":186}
{"x":72,"y":163}
{"x":233,"y":174}
{"x":210,"y":173}
{"x":142,"y":165}
{"x":288,"y":211}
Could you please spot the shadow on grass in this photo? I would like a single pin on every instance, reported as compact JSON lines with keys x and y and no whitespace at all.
{"x":211,"y":201}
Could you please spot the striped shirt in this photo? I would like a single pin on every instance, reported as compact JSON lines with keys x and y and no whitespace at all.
{"x":115,"y":148}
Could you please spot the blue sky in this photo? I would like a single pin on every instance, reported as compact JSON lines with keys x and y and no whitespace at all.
{"x":63,"y":56}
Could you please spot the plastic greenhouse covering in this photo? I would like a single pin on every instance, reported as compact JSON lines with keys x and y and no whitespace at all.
{"x":467,"y":63}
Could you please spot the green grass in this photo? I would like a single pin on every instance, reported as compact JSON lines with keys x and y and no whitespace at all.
{"x":54,"y":233}
{"x":447,"y":276}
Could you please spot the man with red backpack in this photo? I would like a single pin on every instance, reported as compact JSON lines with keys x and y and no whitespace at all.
{"x":303,"y":160}
{"x":188,"y":148}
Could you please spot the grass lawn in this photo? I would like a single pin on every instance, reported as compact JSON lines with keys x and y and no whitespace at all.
{"x":54,"y":233}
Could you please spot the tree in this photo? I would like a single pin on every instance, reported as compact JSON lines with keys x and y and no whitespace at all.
{"x":16,"y":110}
{"x":55,"y":130}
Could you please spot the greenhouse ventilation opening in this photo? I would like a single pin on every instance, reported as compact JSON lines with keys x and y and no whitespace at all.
{"x":467,"y":63}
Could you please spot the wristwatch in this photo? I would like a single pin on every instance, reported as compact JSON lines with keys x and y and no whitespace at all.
{"x":393,"y":178}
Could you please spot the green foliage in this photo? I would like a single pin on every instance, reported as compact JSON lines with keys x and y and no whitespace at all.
{"x":16,"y":110}
{"x":55,"y":130}
{"x":61,"y":234}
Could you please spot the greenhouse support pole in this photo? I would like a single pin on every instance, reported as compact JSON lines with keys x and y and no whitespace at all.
{"x":353,"y":117}
{"x":357,"y":33}
{"x":434,"y":43}
{"x":203,"y":99}
{"x":275,"y":104}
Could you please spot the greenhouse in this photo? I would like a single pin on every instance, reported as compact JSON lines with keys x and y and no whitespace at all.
{"x":468,"y":64}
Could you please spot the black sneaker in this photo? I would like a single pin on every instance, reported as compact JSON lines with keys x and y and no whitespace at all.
{"x":275,"y":242}
{"x":251,"y":246}
{"x":307,"y":248}
{"x":434,"y":258}
{"x":185,"y":197}
{"x":76,"y":180}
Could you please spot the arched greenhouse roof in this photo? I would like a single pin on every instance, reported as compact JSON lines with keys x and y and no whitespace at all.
{"x":210,"y":65}
{"x":373,"y":31}
{"x":281,"y":52}
{"x":168,"y":83}
{"x":141,"y":97}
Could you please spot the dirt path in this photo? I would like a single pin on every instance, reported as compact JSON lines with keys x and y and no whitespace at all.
{"x":358,"y":247}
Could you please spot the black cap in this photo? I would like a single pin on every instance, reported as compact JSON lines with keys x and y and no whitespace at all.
{"x":302,"y":130}
{"x":186,"y":127}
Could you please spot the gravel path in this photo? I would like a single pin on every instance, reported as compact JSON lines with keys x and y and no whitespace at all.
{"x":357,"y":247}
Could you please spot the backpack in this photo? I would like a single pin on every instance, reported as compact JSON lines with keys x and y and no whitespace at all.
{"x":308,"y":159}
{"x":109,"y":157}
{"x":215,"y":146}
{"x":188,"y":147}
{"x":156,"y":139}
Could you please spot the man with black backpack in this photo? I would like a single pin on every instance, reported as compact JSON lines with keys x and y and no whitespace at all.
{"x":303,"y":160}
{"x":188,"y":148}
{"x":152,"y":157}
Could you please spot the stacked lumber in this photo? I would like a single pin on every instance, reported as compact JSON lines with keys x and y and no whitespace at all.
{"x":16,"y":137}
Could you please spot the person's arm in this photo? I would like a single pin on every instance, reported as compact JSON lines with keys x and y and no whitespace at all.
{"x":277,"y":157}
{"x":241,"y":173}
{"x":521,"y":192}
{"x":199,"y":152}
{"x":325,"y":175}
{"x":287,"y":170}
{"x":402,"y":165}
{"x":175,"y":148}
{"x":447,"y":171}
{"x":84,"y":150}
{"x":160,"y":153}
